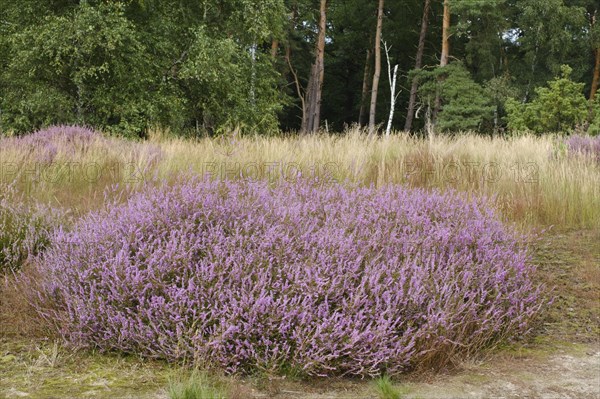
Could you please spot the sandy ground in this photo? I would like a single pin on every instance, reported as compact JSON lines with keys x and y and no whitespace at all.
{"x":545,"y":370}
{"x":562,"y":375}
{"x":572,"y":371}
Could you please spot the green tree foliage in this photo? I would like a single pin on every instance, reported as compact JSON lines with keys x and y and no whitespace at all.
{"x":500,"y":89}
{"x":478,"y":29}
{"x":549,"y":33}
{"x":123,"y":66}
{"x":557,"y":108}
{"x":78,"y":67}
{"x":466,"y":105}
{"x":594,"y":126}
{"x":198,"y":66}
{"x":242,"y":90}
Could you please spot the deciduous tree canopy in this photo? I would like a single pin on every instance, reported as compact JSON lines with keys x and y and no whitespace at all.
{"x":205,"y":67}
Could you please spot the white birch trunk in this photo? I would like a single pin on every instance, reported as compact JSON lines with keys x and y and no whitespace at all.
{"x":393,"y":102}
{"x":392,"y":81}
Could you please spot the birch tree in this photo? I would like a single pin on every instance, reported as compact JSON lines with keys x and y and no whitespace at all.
{"x":392,"y":77}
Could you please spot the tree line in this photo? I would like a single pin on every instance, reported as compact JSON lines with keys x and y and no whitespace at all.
{"x":209,"y":66}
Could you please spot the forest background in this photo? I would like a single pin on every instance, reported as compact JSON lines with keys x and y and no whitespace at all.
{"x":207,"y":67}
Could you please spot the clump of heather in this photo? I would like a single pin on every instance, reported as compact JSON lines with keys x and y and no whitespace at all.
{"x":72,"y":142}
{"x":315,"y":279}
{"x":44,"y":145}
{"x":25,"y":229}
{"x":584,"y":145}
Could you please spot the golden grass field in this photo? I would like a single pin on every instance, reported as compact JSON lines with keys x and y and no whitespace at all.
{"x":533,"y":180}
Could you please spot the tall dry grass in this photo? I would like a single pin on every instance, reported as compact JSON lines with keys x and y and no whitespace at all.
{"x":532,"y":182}
{"x":74,"y":175}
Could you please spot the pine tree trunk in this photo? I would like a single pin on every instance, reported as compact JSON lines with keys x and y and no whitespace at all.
{"x":596,"y":79}
{"x":311,"y":120}
{"x":321,"y":64}
{"x":418,"y":64}
{"x":445,"y":55}
{"x":311,"y":101}
{"x":274,"y":48}
{"x":445,"y":35}
{"x":365,"y":89}
{"x":374,"y":86}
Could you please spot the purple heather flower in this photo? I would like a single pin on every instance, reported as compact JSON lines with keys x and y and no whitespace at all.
{"x":324,"y":279}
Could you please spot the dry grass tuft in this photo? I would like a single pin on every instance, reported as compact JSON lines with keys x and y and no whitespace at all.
{"x":531,"y":181}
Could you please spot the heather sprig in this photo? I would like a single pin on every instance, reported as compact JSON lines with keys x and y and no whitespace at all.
{"x":322,"y":279}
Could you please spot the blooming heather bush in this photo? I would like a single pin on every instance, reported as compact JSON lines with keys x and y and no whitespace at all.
{"x":75,"y":142}
{"x":24,"y":229}
{"x":45,"y":144}
{"x":305,"y":278}
{"x":587,"y":146}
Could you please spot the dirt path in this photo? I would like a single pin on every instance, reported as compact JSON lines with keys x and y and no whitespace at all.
{"x":561,"y":372}
{"x":565,"y":374}
{"x":572,"y":371}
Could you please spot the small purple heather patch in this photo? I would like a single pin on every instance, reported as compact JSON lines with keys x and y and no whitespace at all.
{"x":585,"y":145}
{"x":302,"y":277}
{"x":45,"y":144}
{"x":42,"y":148}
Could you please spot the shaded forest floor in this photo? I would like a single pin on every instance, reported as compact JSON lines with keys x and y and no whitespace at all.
{"x":562,"y":360}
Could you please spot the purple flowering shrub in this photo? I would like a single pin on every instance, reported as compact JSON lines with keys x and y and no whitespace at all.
{"x":66,"y":142}
{"x":302,"y":277}
{"x":587,"y":146}
{"x":44,"y":145}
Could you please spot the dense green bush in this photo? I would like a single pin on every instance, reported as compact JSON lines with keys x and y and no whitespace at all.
{"x":465,"y":104}
{"x":79,"y":67}
{"x":594,"y":127}
{"x":122,"y":67}
{"x":229,"y":86}
{"x":557,"y":108}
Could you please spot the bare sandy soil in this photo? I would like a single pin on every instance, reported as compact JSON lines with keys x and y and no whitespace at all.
{"x":571,"y":371}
